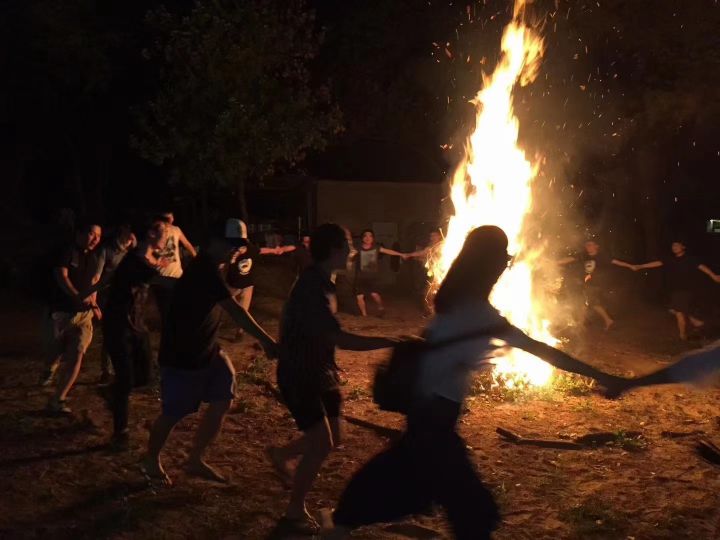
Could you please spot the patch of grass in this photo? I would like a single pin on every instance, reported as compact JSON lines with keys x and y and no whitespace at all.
{"x":357,"y":393}
{"x":241,"y":405}
{"x":596,"y":518}
{"x":630,"y":442}
{"x":257,"y":370}
{"x":584,"y":406}
{"x":573,"y":385}
{"x":518,"y":392}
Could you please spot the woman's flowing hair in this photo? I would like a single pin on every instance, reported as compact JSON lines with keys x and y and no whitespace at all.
{"x":473,"y":274}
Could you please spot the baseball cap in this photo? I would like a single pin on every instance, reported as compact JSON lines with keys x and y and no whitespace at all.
{"x":236,"y":232}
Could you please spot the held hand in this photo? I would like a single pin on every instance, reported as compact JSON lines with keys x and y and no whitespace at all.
{"x":97,"y":312}
{"x":635,"y":267}
{"x":716,"y":278}
{"x":614,"y":387}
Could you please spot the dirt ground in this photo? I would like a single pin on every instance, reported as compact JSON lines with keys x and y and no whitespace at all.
{"x":59,"y":480}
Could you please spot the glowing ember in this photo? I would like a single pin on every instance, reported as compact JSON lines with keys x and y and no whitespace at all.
{"x":492,"y":186}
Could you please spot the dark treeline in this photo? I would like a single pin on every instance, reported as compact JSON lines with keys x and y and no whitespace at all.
{"x":111,"y":106}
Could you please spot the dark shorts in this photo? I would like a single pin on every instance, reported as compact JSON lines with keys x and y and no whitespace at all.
{"x":595,"y":296}
{"x":183,"y":390}
{"x":681,"y":301}
{"x":308,"y":408}
{"x":366,"y":284}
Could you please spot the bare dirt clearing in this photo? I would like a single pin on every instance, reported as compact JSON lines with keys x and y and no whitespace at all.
{"x":59,"y":480}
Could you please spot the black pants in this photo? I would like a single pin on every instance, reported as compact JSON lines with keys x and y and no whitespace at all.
{"x":130,"y":355}
{"x":163,"y":291}
{"x":429,"y":464}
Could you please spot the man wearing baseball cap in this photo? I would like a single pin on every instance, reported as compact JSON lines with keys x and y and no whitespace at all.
{"x":193,"y":367}
{"x":241,"y":270}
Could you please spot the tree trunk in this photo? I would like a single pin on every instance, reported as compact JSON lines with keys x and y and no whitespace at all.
{"x":242,"y":202}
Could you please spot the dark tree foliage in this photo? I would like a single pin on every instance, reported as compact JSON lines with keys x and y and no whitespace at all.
{"x":235,"y":98}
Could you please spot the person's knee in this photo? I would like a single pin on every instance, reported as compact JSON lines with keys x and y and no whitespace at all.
{"x":320,"y":441}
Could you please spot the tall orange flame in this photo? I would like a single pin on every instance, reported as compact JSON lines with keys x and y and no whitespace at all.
{"x":493,"y":186}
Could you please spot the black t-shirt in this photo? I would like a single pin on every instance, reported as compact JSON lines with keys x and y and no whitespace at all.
{"x":681,"y":272}
{"x":307,"y":329}
{"x":82,"y":267}
{"x":240,"y":273}
{"x":128,"y":294}
{"x":189,"y":338}
{"x":596,"y":268}
{"x":302,"y":257}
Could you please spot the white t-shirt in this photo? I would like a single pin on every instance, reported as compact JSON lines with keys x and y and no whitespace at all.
{"x":171,"y":252}
{"x":446,"y":371}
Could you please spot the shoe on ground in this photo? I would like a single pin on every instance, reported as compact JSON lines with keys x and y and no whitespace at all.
{"x":120,"y":442}
{"x":105,"y":378}
{"x":56,"y":406}
{"x":47,"y":377}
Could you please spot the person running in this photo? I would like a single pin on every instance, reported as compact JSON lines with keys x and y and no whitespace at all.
{"x":367,"y":271}
{"x":307,"y":374}
{"x":126,"y":337}
{"x":241,"y":270}
{"x":681,"y":273}
{"x":194,"y":369}
{"x":430,"y":462}
{"x":115,"y":251}
{"x":72,"y":310}
{"x":596,"y":265}
{"x":173,"y":270}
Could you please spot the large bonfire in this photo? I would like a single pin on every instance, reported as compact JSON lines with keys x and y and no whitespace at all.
{"x":493,"y":186}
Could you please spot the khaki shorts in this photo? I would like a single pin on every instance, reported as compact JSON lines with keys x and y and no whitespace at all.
{"x":72,"y":332}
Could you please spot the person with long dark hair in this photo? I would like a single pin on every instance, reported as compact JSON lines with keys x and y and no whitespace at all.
{"x":429,"y":464}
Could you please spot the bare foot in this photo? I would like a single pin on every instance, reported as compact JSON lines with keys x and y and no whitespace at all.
{"x":154,"y":471}
{"x":202,"y":470}
{"x":280,"y":466}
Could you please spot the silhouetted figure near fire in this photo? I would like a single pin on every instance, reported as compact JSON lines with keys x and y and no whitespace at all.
{"x":596,"y":265}
{"x":430,"y":463}
{"x":681,"y":275}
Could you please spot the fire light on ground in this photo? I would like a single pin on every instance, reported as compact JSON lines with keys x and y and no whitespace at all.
{"x":493,"y":186}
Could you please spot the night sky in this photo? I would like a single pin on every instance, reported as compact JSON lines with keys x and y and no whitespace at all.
{"x":625,"y":108}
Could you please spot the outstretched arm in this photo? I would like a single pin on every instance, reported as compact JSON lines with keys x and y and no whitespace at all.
{"x":517,"y":338}
{"x":271,"y":251}
{"x":706,"y":270}
{"x":186,"y":244}
{"x":392,"y":252}
{"x":419,"y":254}
{"x":355,"y":342}
{"x":648,"y":265}
{"x":623,"y":264}
{"x":245,"y":321}
{"x":566,"y":260}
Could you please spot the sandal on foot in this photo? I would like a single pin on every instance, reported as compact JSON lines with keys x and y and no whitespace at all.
{"x":155,"y":476}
